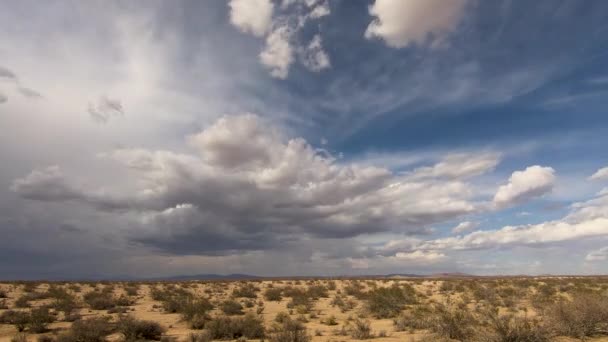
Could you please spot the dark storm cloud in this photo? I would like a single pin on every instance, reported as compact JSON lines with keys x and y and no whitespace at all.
{"x":251,"y":189}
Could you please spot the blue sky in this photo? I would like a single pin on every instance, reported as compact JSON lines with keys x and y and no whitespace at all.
{"x":326,"y":136}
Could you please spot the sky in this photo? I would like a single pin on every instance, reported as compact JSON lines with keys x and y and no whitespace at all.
{"x":303,"y":137}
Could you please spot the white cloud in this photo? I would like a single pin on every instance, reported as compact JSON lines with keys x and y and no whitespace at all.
{"x":403,"y":22}
{"x":464,"y":227}
{"x":314,"y":57}
{"x":420,"y":256}
{"x":598,"y":255}
{"x":320,"y":11}
{"x":281,"y":33}
{"x":460,"y":166}
{"x":601,"y":174}
{"x":524,"y":185}
{"x":277,"y":55}
{"x":252,"y":16}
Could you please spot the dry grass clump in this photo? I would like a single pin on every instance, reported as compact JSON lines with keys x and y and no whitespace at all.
{"x":510,"y":328}
{"x":360,"y":329}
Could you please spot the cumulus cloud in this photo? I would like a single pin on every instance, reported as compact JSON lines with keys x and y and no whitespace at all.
{"x":248,"y":183}
{"x":598,"y":255}
{"x":282,"y":44}
{"x":601,"y":174}
{"x":315,"y":58}
{"x":534,"y":181}
{"x":251,"y":16}
{"x":104,"y":109}
{"x":277,"y":55}
{"x":586,"y":220}
{"x":403,"y":22}
{"x":464,"y":227}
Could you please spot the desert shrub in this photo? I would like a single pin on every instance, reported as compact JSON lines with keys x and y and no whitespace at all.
{"x":134,"y":329}
{"x":204,"y":336}
{"x":132,"y":290}
{"x":3,"y":294}
{"x":223,"y":327}
{"x":198,"y":321}
{"x":282,"y":317}
{"x":585,"y":315}
{"x":99,"y":300}
{"x":45,"y":338}
{"x":38,"y":320}
{"x":360,"y":329}
{"x":245,"y":291}
{"x":388,"y":302}
{"x":331,"y":320}
{"x":22,"y":302}
{"x":288,"y":331}
{"x":510,"y":328}
{"x":90,"y":330}
{"x":355,"y":289}
{"x":19,"y":319}
{"x":232,"y":307}
{"x":317,"y":291}
{"x":419,"y":317}
{"x":273,"y":294}
{"x":454,"y":323}
{"x":21,"y":337}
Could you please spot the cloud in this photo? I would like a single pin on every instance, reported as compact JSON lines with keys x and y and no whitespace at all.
{"x":29,"y":93}
{"x":277,"y":55}
{"x":420,"y":256}
{"x":3,"y":98}
{"x":104,"y":109}
{"x":251,"y":16}
{"x":460,"y":166}
{"x":532,"y":182}
{"x":281,"y":33}
{"x":586,"y":220}
{"x":7,"y":74}
{"x":464,"y":227}
{"x":248,"y":183}
{"x":598,"y":255}
{"x":601,"y":174}
{"x":45,"y":184}
{"x":314,"y":58}
{"x":401,"y":23}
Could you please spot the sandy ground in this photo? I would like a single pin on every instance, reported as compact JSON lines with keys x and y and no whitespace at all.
{"x":146,"y":308}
